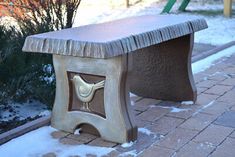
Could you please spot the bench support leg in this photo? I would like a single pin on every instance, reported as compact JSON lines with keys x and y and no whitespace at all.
{"x":183,"y":5}
{"x":107,"y":111}
{"x":163,"y":71}
{"x":168,"y":6}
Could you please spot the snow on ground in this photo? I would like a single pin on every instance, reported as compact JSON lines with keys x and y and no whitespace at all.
{"x":204,"y":107}
{"x":22,"y":111}
{"x":145,"y":131}
{"x":40,"y":142}
{"x":174,"y":109}
{"x":132,"y":153}
{"x":132,"y":95}
{"x":221,"y":29}
{"x":187,"y":103}
{"x":126,"y":145}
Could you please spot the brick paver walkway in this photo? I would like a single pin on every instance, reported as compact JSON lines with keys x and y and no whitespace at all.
{"x":166,"y":129}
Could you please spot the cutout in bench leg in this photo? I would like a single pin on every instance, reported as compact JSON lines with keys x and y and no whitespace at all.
{"x":164,"y":71}
{"x":117,"y":124}
{"x":87,"y":128}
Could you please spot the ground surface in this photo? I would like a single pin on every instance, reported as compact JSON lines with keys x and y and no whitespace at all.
{"x":166,"y":129}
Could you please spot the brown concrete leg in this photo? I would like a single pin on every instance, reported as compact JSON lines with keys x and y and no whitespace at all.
{"x":163,"y":71}
{"x":109,"y":108}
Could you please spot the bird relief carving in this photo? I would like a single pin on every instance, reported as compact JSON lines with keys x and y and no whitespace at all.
{"x":85,"y":91}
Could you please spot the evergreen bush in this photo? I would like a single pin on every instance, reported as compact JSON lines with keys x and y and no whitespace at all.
{"x":25,"y":76}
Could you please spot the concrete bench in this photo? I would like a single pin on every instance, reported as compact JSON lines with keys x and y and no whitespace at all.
{"x":96,"y":64}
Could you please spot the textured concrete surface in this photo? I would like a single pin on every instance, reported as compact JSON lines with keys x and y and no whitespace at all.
{"x":110,"y":39}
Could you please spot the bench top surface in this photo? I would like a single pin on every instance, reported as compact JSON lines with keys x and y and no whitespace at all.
{"x":114,"y":38}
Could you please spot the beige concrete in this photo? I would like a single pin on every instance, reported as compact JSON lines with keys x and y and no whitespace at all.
{"x":117,"y":125}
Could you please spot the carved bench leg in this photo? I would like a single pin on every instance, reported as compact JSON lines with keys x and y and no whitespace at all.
{"x":164,"y":72}
{"x":73,"y":74}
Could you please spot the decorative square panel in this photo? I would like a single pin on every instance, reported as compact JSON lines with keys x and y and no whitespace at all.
{"x":96,"y":105}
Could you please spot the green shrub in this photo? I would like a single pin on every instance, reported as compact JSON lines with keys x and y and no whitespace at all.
{"x":24,"y":75}
{"x":20,"y":72}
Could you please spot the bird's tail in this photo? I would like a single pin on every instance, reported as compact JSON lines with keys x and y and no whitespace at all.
{"x":99,"y":84}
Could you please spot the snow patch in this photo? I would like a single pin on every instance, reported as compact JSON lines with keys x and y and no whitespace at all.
{"x":208,"y":105}
{"x":126,"y":145}
{"x":133,"y":95}
{"x":77,"y":131}
{"x":39,"y":142}
{"x":22,"y":111}
{"x":48,"y":68}
{"x":145,"y":131}
{"x":45,"y":113}
{"x":132,"y":103}
{"x":209,"y":144}
{"x":187,"y":102}
{"x":83,"y":151}
{"x":204,"y":107}
{"x":175,"y":109}
{"x":162,"y":136}
{"x":132,"y":153}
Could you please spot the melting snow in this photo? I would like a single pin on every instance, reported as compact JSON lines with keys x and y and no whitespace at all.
{"x":45,"y":113}
{"x":187,"y":103}
{"x":77,"y":131}
{"x":40,"y":142}
{"x":145,"y":131}
{"x":23,"y":111}
{"x":206,"y":106}
{"x":132,"y":103}
{"x":132,"y":153}
{"x":133,"y":95}
{"x":174,"y":109}
{"x":126,"y":145}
